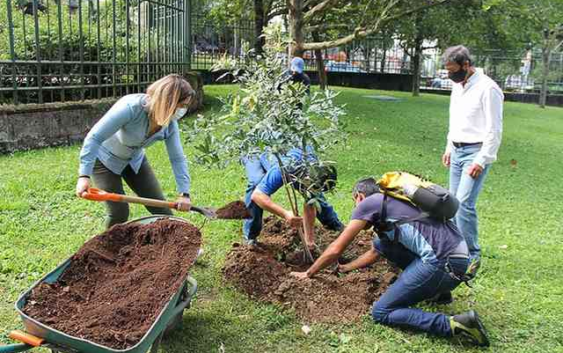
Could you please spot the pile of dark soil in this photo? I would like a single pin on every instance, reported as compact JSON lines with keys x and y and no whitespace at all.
{"x":118,"y":282}
{"x":234,"y":210}
{"x":263,"y":273}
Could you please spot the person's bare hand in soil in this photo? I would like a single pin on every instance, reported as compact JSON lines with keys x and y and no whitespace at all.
{"x":299,"y":275}
{"x":293,"y":220}
{"x":344,"y":268}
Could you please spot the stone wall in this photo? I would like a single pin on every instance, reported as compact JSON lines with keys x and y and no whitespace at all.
{"x":32,"y":126}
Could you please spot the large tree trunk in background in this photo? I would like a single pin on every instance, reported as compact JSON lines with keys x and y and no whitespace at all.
{"x":295,"y":9}
{"x":367,"y":58}
{"x":320,"y":63}
{"x":546,"y":54}
{"x":258,"y":26}
{"x":416,"y":67}
{"x":417,"y":56}
{"x":383,"y":59}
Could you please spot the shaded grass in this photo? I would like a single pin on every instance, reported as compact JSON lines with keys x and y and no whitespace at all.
{"x":520,"y":286}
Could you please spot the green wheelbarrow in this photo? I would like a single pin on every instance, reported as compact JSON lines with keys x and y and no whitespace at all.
{"x":40,"y":335}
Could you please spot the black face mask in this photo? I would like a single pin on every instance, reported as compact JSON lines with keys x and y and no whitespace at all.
{"x":457,"y":76}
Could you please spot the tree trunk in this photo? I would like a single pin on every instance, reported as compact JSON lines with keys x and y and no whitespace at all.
{"x":383,"y":59}
{"x":320,"y":64}
{"x":417,"y":57}
{"x":546,"y":55}
{"x":258,"y":26}
{"x":295,"y":9}
{"x":236,"y":40}
{"x":367,"y":52}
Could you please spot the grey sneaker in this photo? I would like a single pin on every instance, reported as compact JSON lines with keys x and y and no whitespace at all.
{"x":470,"y":325}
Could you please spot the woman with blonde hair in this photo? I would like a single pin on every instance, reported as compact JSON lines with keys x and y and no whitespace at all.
{"x":113,"y":150}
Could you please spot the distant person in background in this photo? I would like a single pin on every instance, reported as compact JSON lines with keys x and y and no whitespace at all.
{"x":296,"y":74}
{"x":114,"y":150}
{"x":474,"y":137}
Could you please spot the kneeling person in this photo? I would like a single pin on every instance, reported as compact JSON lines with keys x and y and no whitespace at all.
{"x":432,"y":254}
{"x":264,"y":179}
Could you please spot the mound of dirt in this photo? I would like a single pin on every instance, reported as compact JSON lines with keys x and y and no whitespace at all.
{"x":263,"y":273}
{"x":234,"y":210}
{"x":118,"y":282}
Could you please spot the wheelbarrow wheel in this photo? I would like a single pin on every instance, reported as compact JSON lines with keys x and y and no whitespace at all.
{"x":176,"y":322}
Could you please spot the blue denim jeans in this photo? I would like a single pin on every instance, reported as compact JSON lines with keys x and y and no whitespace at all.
{"x":419,"y":281}
{"x":256,"y":168}
{"x":467,"y":189}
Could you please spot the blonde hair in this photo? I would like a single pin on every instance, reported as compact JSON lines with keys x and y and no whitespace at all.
{"x":165,"y":95}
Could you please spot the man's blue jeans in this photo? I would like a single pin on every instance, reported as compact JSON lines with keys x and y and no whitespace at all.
{"x":255,"y":170}
{"x":419,"y":281}
{"x":466,"y":189}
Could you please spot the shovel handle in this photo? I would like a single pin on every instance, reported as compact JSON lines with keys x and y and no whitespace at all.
{"x":94,"y":194}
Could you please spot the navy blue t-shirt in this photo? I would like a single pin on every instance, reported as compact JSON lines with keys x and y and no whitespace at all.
{"x":429,"y":239}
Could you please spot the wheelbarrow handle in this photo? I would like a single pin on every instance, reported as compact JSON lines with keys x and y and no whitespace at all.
{"x":14,"y":348}
{"x":29,"y":341}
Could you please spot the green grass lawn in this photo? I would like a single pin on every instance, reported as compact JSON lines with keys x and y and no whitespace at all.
{"x":519,"y":292}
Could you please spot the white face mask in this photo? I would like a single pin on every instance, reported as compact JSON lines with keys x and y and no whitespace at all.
{"x":180,"y":112}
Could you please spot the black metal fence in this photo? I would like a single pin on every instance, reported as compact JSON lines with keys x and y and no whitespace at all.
{"x":516,"y":71}
{"x":64,"y":50}
{"x":369,"y":55}
{"x":212,"y":40}
{"x":67,"y":50}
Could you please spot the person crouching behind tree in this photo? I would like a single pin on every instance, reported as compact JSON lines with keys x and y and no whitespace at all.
{"x":432,"y":254}
{"x":264,"y":179}
{"x":114,"y":150}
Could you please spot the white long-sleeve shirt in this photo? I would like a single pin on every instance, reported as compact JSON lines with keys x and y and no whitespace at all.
{"x":476,"y":116}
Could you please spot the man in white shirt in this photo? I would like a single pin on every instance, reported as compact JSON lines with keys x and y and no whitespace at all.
{"x":473,"y":140}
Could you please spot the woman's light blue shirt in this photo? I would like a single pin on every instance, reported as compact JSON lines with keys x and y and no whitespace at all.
{"x":120,"y":137}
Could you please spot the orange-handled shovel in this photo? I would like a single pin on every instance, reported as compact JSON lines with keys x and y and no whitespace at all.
{"x":94,"y":194}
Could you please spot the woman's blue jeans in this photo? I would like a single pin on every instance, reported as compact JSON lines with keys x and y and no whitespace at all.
{"x":419,"y":281}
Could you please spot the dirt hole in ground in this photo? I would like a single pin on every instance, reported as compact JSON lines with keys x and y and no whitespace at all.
{"x":118,"y":282}
{"x":263,"y":273}
{"x":234,"y":210}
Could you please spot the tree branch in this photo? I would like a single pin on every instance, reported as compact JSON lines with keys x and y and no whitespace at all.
{"x":309,"y":3}
{"x":327,"y":27}
{"x":364,"y":31}
{"x":319,"y":8}
{"x":359,"y":32}
{"x":277,"y":12}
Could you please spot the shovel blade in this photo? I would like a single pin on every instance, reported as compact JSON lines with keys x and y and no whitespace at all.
{"x":208,"y":212}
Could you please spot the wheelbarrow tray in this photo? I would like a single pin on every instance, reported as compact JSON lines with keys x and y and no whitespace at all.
{"x":174,"y":308}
